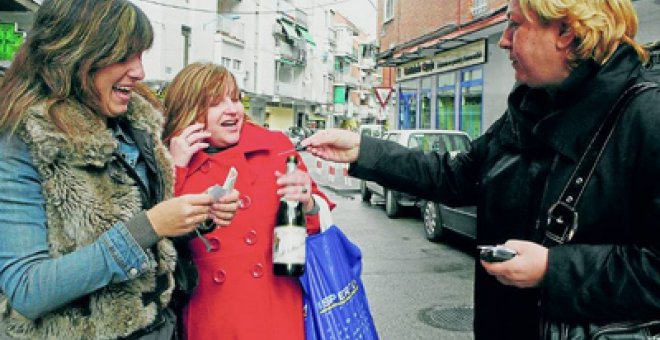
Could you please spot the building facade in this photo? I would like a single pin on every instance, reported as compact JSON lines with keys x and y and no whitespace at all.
{"x":291,"y":58}
{"x":444,"y":64}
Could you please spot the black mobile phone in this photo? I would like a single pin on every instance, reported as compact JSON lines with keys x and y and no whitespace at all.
{"x":496,"y":253}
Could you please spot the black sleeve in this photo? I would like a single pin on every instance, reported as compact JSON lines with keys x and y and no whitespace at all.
{"x":433,"y":176}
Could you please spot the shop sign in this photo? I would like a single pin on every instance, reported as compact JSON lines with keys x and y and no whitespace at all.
{"x":10,"y":41}
{"x":467,"y":55}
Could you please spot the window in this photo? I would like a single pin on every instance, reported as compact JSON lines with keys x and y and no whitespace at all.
{"x":388,"y":12}
{"x":445,"y":107}
{"x":471,"y":101}
{"x":185,"y":32}
{"x":226,"y":62}
{"x":425,"y":103}
{"x":407,"y":108}
{"x":237,"y":64}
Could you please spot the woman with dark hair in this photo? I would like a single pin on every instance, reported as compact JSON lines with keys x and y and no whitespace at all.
{"x":84,"y":252}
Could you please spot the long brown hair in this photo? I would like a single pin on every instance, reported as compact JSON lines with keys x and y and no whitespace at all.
{"x":193,"y":91}
{"x":70,"y":40}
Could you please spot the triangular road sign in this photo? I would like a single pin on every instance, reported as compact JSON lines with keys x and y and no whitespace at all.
{"x":383,"y":95}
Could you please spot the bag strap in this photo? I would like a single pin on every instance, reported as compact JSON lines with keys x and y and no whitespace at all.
{"x":325,"y":215}
{"x":562,"y":216}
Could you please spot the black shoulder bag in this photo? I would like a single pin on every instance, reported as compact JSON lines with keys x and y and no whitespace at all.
{"x":563,"y":222}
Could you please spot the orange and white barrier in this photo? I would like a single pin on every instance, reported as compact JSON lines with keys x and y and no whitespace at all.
{"x":331,"y":174}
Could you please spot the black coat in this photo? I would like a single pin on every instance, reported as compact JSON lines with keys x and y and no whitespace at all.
{"x":516,"y":170}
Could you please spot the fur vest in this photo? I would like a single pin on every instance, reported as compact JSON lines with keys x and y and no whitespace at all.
{"x":84,"y":198}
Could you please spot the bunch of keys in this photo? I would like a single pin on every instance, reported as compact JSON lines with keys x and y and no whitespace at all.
{"x":297,"y":148}
{"x":217,"y":191}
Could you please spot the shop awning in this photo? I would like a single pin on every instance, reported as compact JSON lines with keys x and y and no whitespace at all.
{"x":286,"y":61}
{"x":289,"y":29}
{"x":340,"y":95}
{"x":305,"y":34}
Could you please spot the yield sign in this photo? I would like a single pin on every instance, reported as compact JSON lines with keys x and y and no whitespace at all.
{"x":383,"y":95}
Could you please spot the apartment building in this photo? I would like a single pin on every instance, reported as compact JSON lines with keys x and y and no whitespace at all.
{"x":291,"y":58}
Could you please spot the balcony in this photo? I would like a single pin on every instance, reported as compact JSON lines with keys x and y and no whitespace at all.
{"x":345,"y":78}
{"x":301,"y":17}
{"x":291,"y":55}
{"x":231,"y":28}
{"x":367,"y":64}
{"x":288,"y":10}
{"x":292,"y":33}
{"x":348,"y":55}
{"x":293,"y":89}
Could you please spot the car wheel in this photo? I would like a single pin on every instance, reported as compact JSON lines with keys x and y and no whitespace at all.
{"x":365,"y":194}
{"x":432,"y":221}
{"x":392,"y":204}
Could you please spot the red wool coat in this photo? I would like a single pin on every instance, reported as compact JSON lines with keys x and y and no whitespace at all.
{"x":238,"y":296}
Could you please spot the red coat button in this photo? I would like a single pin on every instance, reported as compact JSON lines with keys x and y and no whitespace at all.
{"x":244,"y":202}
{"x":219,"y":276}
{"x":258,"y":270}
{"x":205,"y":167}
{"x":250,"y":237}
{"x":215,"y":243}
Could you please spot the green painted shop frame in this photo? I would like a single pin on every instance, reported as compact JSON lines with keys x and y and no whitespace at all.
{"x":10,"y":40}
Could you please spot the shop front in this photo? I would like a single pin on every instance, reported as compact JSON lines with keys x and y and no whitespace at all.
{"x":444,"y":91}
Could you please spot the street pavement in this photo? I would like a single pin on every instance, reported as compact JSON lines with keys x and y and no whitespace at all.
{"x":416,"y":289}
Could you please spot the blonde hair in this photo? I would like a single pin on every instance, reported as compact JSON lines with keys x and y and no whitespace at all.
{"x":193,"y":91}
{"x":69,"y":42}
{"x":600,"y":26}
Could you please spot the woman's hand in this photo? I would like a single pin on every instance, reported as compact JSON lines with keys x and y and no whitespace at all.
{"x":180,"y":215}
{"x":335,"y":145}
{"x":296,"y":186}
{"x":524,"y":270}
{"x":186,"y":144}
{"x":224,"y":210}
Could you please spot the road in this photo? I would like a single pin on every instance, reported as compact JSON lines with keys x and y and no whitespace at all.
{"x":416,"y":289}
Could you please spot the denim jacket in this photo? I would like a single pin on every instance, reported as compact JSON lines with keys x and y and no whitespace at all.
{"x":28,"y":271}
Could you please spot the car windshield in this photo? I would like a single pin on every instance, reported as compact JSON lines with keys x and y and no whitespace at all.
{"x":439,"y":142}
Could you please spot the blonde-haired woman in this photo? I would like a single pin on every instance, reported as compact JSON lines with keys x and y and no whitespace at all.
{"x":572,"y":61}
{"x":84,"y":247}
{"x":238,"y":296}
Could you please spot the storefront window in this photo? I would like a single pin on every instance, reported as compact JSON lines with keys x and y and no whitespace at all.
{"x":425,"y":103}
{"x":445,"y":107}
{"x":408,"y":105}
{"x":471,"y":101}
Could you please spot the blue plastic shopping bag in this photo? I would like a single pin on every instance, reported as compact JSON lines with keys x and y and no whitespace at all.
{"x":335,"y":301}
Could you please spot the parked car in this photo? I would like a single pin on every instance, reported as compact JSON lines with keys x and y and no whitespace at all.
{"x":437,"y":217}
{"x":297,"y":133}
{"x":373,"y":130}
